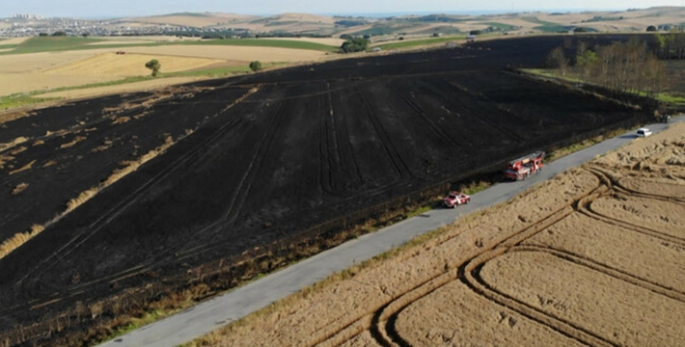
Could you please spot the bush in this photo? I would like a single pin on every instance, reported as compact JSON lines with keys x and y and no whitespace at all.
{"x":651,"y":28}
{"x":474,"y":32}
{"x":256,"y":66}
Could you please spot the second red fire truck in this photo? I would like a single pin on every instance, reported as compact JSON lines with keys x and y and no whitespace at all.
{"x":525,"y":166}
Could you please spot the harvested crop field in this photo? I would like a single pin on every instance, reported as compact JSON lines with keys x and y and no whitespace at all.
{"x":118,"y":65}
{"x":31,"y":72}
{"x":111,"y":201}
{"x":143,"y":86}
{"x":573,"y":262}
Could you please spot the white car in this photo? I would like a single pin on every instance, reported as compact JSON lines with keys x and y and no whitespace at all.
{"x":643,"y":132}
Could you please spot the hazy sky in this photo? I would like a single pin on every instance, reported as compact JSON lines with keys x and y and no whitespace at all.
{"x":118,"y":8}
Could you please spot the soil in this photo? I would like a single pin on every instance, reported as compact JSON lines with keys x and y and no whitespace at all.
{"x":261,"y":165}
{"x":518,"y":274}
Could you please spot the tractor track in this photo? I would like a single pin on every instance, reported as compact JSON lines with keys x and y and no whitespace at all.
{"x":398,"y":162}
{"x":437,"y":130}
{"x":383,"y":318}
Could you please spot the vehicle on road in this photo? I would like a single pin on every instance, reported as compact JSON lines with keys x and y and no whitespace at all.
{"x":519,"y":169}
{"x":643,"y":132}
{"x":454,"y":198}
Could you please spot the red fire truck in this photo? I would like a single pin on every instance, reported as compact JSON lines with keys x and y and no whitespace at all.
{"x":525,"y":166}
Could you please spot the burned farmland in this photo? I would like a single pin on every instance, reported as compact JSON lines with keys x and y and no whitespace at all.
{"x":142,"y":190}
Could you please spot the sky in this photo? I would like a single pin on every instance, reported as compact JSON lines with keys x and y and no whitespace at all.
{"x":123,"y":8}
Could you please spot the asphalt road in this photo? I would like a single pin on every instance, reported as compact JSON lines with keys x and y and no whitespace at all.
{"x":217,"y":312}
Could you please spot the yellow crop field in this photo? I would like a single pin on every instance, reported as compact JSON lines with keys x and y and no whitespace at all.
{"x":124,"y":65}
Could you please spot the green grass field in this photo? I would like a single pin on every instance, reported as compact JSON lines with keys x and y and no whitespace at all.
{"x":55,"y":44}
{"x":545,"y":26}
{"x":498,"y":25}
{"x":416,"y":43}
{"x":52,"y":44}
{"x":19,"y":100}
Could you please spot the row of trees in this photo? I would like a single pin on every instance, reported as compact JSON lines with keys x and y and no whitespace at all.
{"x":155,"y":66}
{"x":629,"y":67}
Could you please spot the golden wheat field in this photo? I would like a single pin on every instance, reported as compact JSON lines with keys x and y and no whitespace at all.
{"x":23,"y":73}
{"x":125,"y":65}
{"x":591,"y":257}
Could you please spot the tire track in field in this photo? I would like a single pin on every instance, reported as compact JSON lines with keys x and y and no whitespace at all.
{"x":633,"y":227}
{"x":97,"y":225}
{"x":585,"y":207}
{"x":239,"y":197}
{"x":437,"y":130}
{"x":471,"y":277}
{"x":119,"y":208}
{"x":238,"y":201}
{"x":469,"y":273}
{"x":353,"y":176}
{"x":328,"y":147}
{"x":382,"y":327}
{"x":398,"y":162}
{"x":468,"y":107}
{"x":592,"y":264}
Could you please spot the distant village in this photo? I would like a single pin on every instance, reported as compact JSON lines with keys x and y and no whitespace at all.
{"x":26,"y":25}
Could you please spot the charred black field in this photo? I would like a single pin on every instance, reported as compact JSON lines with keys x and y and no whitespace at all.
{"x":198,"y":183}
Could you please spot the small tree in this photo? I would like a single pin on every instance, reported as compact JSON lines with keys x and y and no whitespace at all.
{"x":153,"y":65}
{"x":651,"y":28}
{"x":256,"y":66}
{"x":557,"y":59}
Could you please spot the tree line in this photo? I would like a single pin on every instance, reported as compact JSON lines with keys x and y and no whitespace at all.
{"x":630,"y":67}
{"x":670,"y":46}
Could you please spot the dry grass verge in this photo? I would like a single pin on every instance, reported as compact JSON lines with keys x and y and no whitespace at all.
{"x":18,"y":239}
{"x":23,"y":168}
{"x":19,"y":188}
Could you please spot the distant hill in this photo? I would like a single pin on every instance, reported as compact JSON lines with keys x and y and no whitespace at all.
{"x":630,"y":20}
{"x":382,"y":29}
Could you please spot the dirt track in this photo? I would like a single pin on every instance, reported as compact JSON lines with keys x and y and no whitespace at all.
{"x":266,"y":164}
{"x":572,"y":262}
